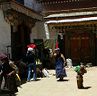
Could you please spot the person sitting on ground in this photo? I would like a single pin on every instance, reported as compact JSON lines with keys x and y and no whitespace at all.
{"x":1,"y":77}
{"x":45,"y":72}
{"x":9,"y":74}
{"x":69,"y":63}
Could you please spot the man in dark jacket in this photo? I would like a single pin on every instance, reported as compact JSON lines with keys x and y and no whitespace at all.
{"x":31,"y":64}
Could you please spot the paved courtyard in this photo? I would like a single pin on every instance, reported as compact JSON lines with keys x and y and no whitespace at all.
{"x":51,"y":87}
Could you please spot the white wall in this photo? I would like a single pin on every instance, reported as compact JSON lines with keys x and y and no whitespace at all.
{"x":38,"y":31}
{"x":5,"y":33}
{"x":33,"y":34}
{"x":41,"y":30}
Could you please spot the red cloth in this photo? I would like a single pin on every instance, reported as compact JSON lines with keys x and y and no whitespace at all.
{"x":57,"y":44}
{"x":31,"y":46}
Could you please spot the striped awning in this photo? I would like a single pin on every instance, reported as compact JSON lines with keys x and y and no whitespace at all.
{"x":72,"y":20}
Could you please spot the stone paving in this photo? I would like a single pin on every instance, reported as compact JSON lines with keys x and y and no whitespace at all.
{"x":51,"y":87}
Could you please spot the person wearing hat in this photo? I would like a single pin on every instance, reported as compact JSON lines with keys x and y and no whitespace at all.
{"x":31,"y":64}
{"x":59,"y":64}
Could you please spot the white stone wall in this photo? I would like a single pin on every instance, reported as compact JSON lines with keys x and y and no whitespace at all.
{"x":5,"y":33}
{"x":38,"y":31}
{"x":33,"y":34}
{"x":41,"y":30}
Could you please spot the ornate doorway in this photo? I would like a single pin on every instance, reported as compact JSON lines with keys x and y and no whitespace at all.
{"x":81,"y":46}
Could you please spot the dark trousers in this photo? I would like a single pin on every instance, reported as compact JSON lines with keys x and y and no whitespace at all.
{"x":79,"y":81}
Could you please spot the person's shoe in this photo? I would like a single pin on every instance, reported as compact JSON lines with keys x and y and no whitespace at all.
{"x":28,"y":80}
{"x":33,"y":79}
{"x":61,"y":79}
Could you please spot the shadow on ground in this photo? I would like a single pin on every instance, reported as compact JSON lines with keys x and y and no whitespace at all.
{"x":87,"y":87}
{"x":63,"y":80}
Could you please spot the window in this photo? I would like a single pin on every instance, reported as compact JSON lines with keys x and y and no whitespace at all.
{"x":20,"y":1}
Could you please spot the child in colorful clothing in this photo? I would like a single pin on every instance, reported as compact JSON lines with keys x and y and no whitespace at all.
{"x":80,"y":72}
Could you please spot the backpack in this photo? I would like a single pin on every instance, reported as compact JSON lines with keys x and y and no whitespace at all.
{"x":77,"y":69}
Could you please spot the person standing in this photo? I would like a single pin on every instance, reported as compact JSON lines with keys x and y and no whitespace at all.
{"x":31,"y":63}
{"x":81,"y":70}
{"x":59,"y":64}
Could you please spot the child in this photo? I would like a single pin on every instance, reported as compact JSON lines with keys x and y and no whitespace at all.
{"x":80,"y":72}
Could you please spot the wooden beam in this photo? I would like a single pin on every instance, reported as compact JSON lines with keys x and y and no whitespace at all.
{"x":20,"y":8}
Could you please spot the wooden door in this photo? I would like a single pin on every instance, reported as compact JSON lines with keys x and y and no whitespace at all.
{"x":81,"y":49}
{"x":75,"y":47}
